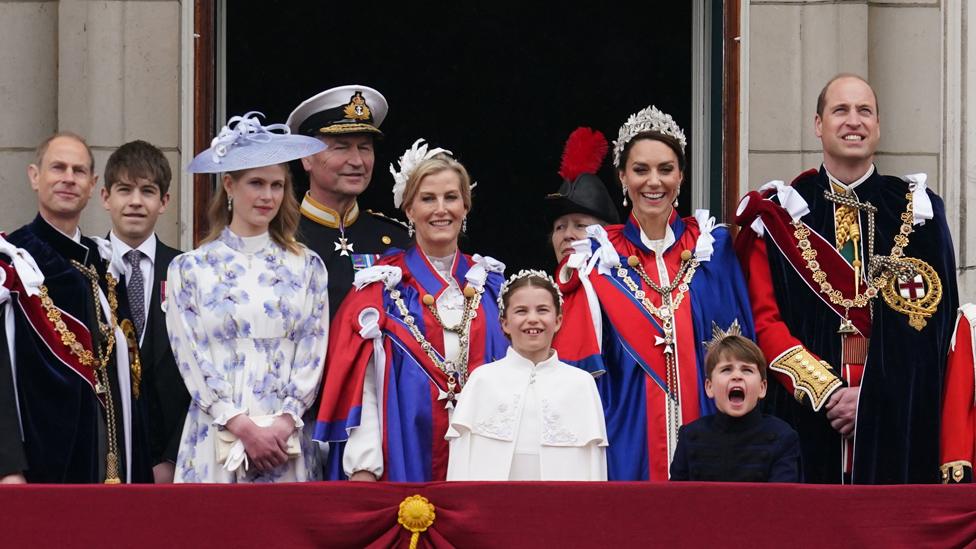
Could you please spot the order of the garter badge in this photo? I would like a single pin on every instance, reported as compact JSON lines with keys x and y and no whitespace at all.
{"x":916,"y":295}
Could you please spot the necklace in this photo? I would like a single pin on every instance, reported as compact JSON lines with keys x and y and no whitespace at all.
{"x":429,"y":301}
{"x":881,"y":269}
{"x":665,"y":314}
{"x":455,"y":370}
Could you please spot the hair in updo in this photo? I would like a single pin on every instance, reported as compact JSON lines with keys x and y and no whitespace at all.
{"x":433,"y":166}
{"x":671,"y":142}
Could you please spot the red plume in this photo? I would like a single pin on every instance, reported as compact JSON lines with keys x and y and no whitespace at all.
{"x":584,"y":153}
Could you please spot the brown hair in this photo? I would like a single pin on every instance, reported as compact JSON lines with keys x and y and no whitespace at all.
{"x":433,"y":166}
{"x":533,"y":281}
{"x":822,"y":98}
{"x":41,"y":149}
{"x":282,"y":228}
{"x":671,"y":142}
{"x":138,"y":160}
{"x":734,"y":347}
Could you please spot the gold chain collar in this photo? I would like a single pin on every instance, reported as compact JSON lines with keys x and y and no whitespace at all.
{"x":666,"y":313}
{"x":455,"y":370}
{"x":885,"y":267}
{"x":102,"y":380}
{"x":682,"y":281}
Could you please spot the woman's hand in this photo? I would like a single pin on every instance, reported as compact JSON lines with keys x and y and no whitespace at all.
{"x":283,"y":427}
{"x":363,"y":476}
{"x":261,"y":443}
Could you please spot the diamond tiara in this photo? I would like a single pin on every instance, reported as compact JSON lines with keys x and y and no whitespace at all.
{"x":524,"y":273}
{"x":647,"y":119}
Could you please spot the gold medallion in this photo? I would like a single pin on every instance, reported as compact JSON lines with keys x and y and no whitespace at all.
{"x":918,"y":296}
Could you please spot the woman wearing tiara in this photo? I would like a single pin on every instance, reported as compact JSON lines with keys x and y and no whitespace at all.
{"x":405,"y":341}
{"x":643,"y":296}
{"x":529,"y":416}
{"x":248,"y":315}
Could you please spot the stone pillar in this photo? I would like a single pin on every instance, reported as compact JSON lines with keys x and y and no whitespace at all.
{"x":29,"y":93}
{"x":119,"y":81}
{"x":108,"y":71}
{"x":900,"y":47}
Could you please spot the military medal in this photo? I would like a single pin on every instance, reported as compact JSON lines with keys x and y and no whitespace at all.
{"x":343,"y":246}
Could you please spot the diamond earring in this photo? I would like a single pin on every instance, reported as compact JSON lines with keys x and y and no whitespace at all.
{"x":464,"y":225}
{"x":625,"y":194}
{"x":230,"y":204}
{"x":410,"y":228}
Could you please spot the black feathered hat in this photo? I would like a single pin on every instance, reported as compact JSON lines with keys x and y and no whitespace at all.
{"x":582,"y":191}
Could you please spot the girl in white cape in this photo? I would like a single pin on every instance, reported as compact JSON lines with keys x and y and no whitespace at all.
{"x":528,"y":416}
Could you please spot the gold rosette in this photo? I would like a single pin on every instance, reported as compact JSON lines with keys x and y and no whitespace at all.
{"x":416,"y":514}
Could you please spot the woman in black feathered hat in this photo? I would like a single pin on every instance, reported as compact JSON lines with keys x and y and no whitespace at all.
{"x":582,"y":199}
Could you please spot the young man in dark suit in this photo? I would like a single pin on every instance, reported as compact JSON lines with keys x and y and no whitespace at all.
{"x":136,"y":192}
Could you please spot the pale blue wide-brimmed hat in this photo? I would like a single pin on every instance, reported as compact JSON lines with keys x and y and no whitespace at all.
{"x":244,"y":143}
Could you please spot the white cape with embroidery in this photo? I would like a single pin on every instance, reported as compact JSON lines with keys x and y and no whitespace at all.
{"x":488,"y":421}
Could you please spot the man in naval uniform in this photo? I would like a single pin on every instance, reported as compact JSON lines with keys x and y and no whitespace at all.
{"x":347,"y":238}
{"x":852,"y":280}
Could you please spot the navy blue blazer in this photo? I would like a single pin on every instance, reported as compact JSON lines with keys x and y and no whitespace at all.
{"x":751,"y":448}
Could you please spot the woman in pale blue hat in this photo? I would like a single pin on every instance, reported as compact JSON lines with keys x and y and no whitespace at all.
{"x":247,"y":314}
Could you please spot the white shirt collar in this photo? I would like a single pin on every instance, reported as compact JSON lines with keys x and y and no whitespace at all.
{"x":656,"y":246}
{"x":148,"y":246}
{"x":849,"y":186}
{"x":517,"y":358}
{"x":76,"y":237}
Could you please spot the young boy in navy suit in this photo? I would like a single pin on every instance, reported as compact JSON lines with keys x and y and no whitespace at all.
{"x":737,"y":443}
{"x":136,"y":192}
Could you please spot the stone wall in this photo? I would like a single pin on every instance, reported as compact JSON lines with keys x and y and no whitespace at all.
{"x":911,"y":52}
{"x":109,"y":71}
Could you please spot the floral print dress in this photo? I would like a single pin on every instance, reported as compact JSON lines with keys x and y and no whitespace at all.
{"x":248,"y":322}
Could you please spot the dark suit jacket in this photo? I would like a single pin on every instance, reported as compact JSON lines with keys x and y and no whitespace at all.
{"x":168,"y":398}
{"x":751,"y":448}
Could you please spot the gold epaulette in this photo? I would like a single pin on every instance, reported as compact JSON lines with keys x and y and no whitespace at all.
{"x":811,"y":377}
{"x":954,"y":471}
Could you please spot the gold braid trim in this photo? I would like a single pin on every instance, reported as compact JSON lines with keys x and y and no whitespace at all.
{"x":135,"y":364}
{"x":811,"y":377}
{"x":954,"y":471}
{"x":68,"y":338}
